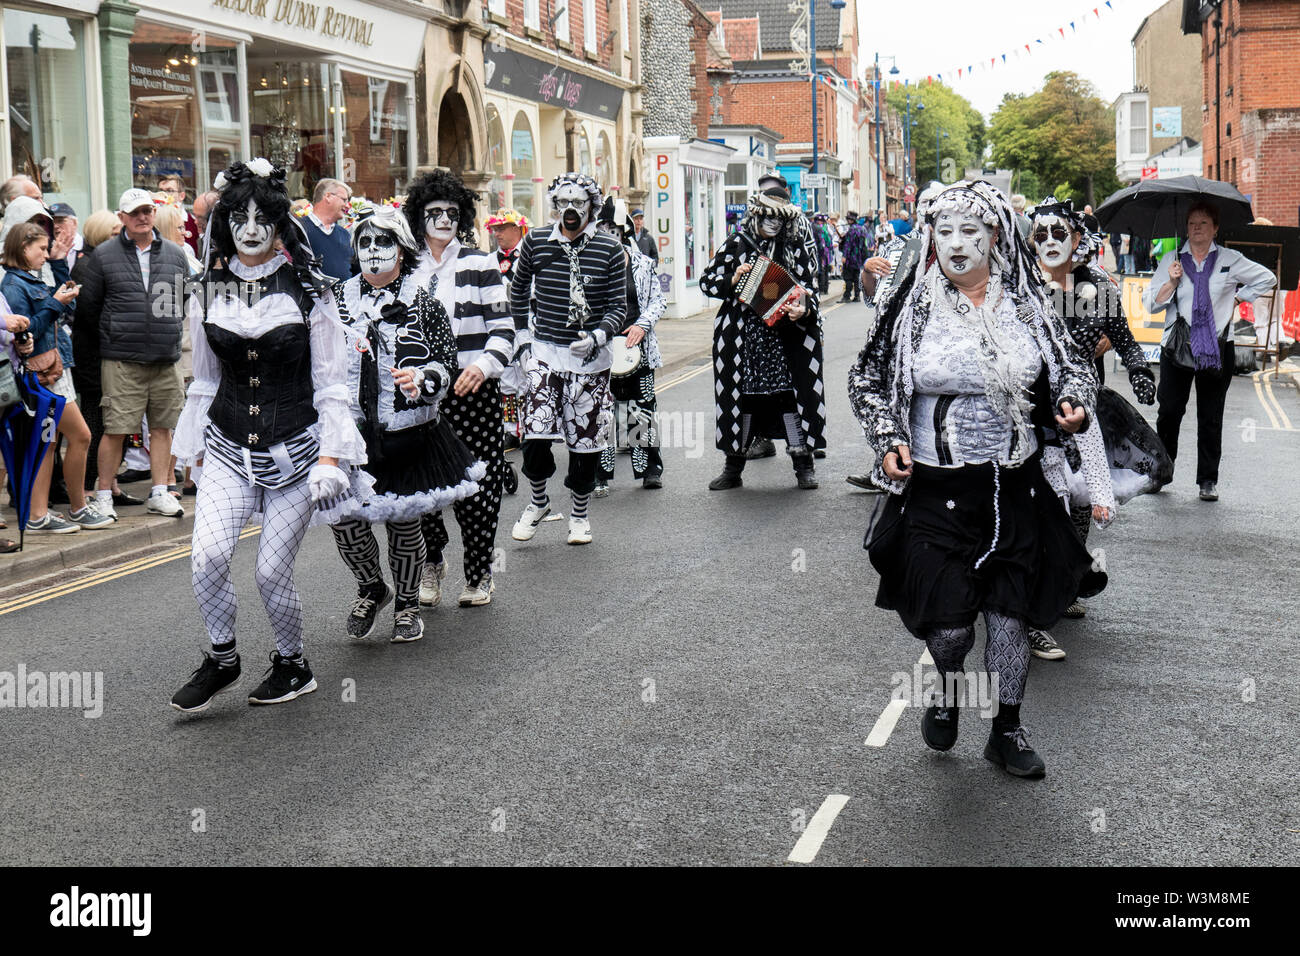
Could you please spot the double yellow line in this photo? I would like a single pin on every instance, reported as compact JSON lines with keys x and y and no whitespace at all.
{"x":101,"y":577}
{"x":1272,"y":407}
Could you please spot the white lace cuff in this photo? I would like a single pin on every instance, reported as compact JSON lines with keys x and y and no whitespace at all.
{"x":188,"y":442}
{"x":339,"y":437}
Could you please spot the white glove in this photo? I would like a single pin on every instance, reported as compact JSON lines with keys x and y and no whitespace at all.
{"x":326,"y":481}
{"x":587,"y":346}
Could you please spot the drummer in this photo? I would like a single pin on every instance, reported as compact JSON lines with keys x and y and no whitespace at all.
{"x":635,"y":411}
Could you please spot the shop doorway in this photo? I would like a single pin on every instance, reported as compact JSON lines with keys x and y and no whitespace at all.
{"x":455,"y":134}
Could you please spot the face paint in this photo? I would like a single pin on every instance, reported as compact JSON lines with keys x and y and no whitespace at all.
{"x":377,"y":251}
{"x":1053,"y":239}
{"x":440,"y":219}
{"x":574,"y":206}
{"x":963,"y":243}
{"x":252,"y":231}
{"x":769,"y":226}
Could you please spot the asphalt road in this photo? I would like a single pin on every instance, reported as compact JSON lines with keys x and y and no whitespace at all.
{"x":690,"y":689}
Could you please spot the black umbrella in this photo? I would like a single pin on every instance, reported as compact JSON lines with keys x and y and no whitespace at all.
{"x":1157,"y":208}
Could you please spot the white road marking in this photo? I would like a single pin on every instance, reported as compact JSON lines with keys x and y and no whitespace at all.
{"x":926,"y":659}
{"x":805,"y":851}
{"x":879,"y":735}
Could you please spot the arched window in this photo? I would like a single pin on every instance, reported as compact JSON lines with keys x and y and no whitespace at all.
{"x":497,"y":161}
{"x":584,"y":152}
{"x":523,"y":165}
{"x":604,"y":163}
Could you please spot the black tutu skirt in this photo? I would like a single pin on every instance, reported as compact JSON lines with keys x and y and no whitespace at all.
{"x":1137,"y":457}
{"x":926,"y":544}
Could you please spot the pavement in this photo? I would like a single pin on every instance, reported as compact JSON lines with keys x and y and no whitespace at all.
{"x":708,"y":682}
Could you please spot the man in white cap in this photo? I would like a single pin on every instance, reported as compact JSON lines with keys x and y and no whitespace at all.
{"x":134,"y":283}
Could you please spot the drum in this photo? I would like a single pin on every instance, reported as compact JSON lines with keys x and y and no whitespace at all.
{"x":627,"y":359}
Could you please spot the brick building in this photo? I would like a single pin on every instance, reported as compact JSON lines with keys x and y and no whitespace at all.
{"x":1251,"y":133}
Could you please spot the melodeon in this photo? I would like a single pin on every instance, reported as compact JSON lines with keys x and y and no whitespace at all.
{"x":767,"y":287}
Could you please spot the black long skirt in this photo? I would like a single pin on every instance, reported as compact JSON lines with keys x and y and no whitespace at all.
{"x":961,"y":541}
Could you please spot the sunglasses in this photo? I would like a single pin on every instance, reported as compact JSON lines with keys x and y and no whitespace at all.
{"x":1058,"y":233}
{"x":438,"y":212}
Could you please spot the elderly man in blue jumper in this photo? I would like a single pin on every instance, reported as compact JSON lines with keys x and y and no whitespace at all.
{"x":329,"y":240}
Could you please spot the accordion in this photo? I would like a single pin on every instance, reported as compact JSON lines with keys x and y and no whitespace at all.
{"x":767,"y":287}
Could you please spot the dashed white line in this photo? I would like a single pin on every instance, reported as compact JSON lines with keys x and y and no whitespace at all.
{"x":805,"y":851}
{"x":879,"y":735}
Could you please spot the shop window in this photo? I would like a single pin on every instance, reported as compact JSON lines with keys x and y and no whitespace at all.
{"x":604,"y":163}
{"x":291,"y":119}
{"x":375,"y":136}
{"x":522,"y":164}
{"x":688,"y":243}
{"x":708,"y":225}
{"x":48,"y":123}
{"x":496,"y":152}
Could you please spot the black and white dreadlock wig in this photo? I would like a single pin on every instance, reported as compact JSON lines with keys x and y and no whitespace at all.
{"x":447,"y":187}
{"x":263,"y":183}
{"x":1089,"y":242}
{"x":775,"y":202}
{"x":580,"y":180}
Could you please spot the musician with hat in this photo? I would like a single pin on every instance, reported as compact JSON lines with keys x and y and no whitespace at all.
{"x":768,"y":376}
{"x":632,"y":376}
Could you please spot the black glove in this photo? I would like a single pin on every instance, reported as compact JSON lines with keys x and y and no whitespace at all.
{"x":1143,"y":381}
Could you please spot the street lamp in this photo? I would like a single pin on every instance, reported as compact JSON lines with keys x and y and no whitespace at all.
{"x":880,"y":193}
{"x":812,"y":64}
{"x":936,"y":154}
{"x":907,"y":138}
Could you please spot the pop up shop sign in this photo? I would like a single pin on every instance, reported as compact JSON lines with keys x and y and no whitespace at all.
{"x":548,"y":83}
{"x":325,"y":21}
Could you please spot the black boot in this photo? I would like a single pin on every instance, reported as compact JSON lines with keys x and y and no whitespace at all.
{"x":803,"y":467}
{"x":761,"y":448}
{"x":1008,"y":745}
{"x":730,"y":477}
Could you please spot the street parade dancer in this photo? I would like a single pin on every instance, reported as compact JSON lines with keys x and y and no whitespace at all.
{"x":966,"y":358}
{"x":467,"y":281}
{"x":634,"y":393}
{"x":1094,"y":471}
{"x":400,"y":369}
{"x":509,"y":227}
{"x":267,"y":416}
{"x":573,"y":280}
{"x":767,"y":378}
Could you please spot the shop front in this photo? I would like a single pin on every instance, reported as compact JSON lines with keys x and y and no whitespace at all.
{"x":325,"y":91}
{"x":50,"y":120}
{"x":544,"y":119}
{"x":686,"y":213}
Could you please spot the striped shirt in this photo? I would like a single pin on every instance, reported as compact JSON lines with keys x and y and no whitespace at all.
{"x":472,"y":290}
{"x":540,"y":280}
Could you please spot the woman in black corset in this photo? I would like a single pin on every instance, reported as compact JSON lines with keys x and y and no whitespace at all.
{"x":268,"y":419}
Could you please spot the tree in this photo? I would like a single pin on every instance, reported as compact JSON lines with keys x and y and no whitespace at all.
{"x":1063,"y":134}
{"x":944,"y":112}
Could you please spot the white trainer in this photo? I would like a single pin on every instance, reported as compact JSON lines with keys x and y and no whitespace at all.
{"x":529,"y":522}
{"x":165,"y":505}
{"x":431,"y":583}
{"x":478,"y":595}
{"x":579,"y":531}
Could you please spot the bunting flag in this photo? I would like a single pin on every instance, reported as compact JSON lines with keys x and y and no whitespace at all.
{"x":1059,"y":35}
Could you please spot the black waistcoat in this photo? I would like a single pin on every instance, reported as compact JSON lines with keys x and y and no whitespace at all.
{"x":266,"y":389}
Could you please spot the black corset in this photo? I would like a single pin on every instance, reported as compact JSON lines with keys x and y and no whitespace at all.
{"x":266,"y":390}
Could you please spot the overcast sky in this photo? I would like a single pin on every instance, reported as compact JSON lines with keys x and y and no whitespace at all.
{"x":929,"y":37}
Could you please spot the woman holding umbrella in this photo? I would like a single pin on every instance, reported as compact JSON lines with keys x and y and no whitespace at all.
{"x":1201,"y":282}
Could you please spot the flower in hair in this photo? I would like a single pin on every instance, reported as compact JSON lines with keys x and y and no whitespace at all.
{"x":261,"y":167}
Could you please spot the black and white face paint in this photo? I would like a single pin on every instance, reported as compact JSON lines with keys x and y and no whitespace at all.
{"x":769,"y":226}
{"x":377,"y":251}
{"x":1053,"y":240}
{"x":440,"y":220}
{"x":573,"y":206}
{"x":964,"y":244}
{"x":252,"y":231}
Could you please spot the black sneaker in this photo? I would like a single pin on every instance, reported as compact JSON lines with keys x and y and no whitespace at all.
{"x":407,"y":626}
{"x":1209,"y":491}
{"x":761,"y":448}
{"x":284,"y":681}
{"x":363,"y":617}
{"x":652,"y":479}
{"x":939,"y":727}
{"x":1010,"y":750}
{"x":204,"y":684}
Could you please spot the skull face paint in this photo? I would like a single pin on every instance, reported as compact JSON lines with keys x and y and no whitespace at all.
{"x":769,"y":226}
{"x":377,"y":251}
{"x":963,"y":243}
{"x":573,"y":205}
{"x":440,"y":220}
{"x":1054,"y":241}
{"x":252,"y":231}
